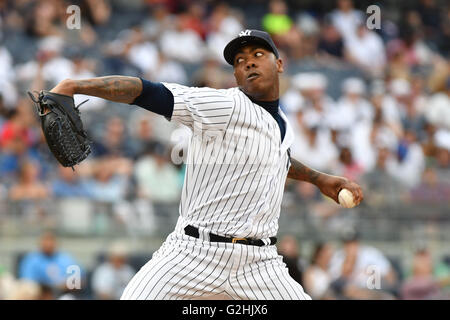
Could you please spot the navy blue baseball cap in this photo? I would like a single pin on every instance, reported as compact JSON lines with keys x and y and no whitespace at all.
{"x":247,"y":37}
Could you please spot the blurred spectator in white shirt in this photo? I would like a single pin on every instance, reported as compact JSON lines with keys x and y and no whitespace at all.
{"x":168,"y":70}
{"x":182,"y":44}
{"x":160,"y":20}
{"x":366,"y":50}
{"x":111,"y":277}
{"x":438,"y":108}
{"x":313,"y":146}
{"x":355,"y":265}
{"x":352,"y":107}
{"x":346,"y":19}
{"x":55,"y":66}
{"x":409,"y":162}
{"x":316,"y":106}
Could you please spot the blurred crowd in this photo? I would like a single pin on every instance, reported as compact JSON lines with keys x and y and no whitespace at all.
{"x":384,"y":121}
{"x":353,"y":270}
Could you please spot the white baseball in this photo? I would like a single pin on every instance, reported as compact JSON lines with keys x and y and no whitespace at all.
{"x":346,"y":199}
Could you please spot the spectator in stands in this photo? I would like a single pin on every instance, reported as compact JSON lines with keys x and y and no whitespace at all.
{"x":113,"y":141}
{"x":171,"y":40}
{"x":110,"y":180}
{"x":157,"y":178}
{"x":223,"y":25}
{"x":193,"y":18}
{"x":384,"y":188}
{"x":356,"y":265}
{"x":409,"y":163}
{"x":111,"y":277}
{"x":347,"y":166}
{"x":313,"y":146}
{"x":29,"y":186}
{"x":45,"y":19}
{"x":210,"y":74}
{"x":98,"y":12}
{"x":437,"y":111}
{"x":55,"y":66}
{"x":432,"y":189}
{"x":421,"y":285}
{"x":289,"y":250}
{"x":316,"y":279}
{"x":366,"y":50}
{"x":352,"y":108}
{"x":281,"y":27}
{"x":443,"y":163}
{"x":169,"y":71}
{"x":17,"y":139}
{"x":346,"y":19}
{"x":277,"y":22}
{"x":69,"y":184}
{"x":330,"y":44}
{"x":48,"y":265}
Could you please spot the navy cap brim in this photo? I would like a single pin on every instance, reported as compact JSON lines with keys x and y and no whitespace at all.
{"x":234,"y":45}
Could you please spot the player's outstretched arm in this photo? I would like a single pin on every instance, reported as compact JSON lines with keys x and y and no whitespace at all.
{"x":114,"y":88}
{"x":329,"y":185}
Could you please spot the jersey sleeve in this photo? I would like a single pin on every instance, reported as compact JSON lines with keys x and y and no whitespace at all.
{"x":204,"y":109}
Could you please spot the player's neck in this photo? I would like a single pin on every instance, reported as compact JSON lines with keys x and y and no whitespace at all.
{"x":262,"y":102}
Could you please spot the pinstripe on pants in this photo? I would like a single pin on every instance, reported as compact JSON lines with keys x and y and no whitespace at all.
{"x":189,"y":268}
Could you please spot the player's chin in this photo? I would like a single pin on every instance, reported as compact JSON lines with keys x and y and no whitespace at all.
{"x":257,"y":88}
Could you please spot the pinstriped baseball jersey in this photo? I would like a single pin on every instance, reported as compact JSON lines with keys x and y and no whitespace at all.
{"x":236,"y":164}
{"x":236,"y":168}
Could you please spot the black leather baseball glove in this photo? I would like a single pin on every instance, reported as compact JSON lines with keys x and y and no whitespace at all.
{"x":62,"y":127}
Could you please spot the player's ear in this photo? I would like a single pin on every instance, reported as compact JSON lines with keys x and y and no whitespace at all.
{"x":280,"y":66}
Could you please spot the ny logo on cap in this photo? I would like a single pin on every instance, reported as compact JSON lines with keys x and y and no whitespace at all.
{"x":245,"y":33}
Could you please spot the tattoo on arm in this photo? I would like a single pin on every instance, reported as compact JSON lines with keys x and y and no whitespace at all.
{"x":114,"y":88}
{"x":299,"y":171}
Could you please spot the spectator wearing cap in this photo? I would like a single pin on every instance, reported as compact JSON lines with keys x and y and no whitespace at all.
{"x":110,"y":278}
{"x":317,"y":106}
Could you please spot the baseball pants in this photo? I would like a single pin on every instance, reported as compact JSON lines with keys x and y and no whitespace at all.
{"x":190,"y":268}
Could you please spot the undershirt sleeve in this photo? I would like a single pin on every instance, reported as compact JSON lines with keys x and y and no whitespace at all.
{"x":155,"y":97}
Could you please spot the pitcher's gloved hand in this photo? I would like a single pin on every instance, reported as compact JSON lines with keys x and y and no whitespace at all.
{"x":62,"y":127}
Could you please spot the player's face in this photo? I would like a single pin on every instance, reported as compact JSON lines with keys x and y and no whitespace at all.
{"x":256,"y":71}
